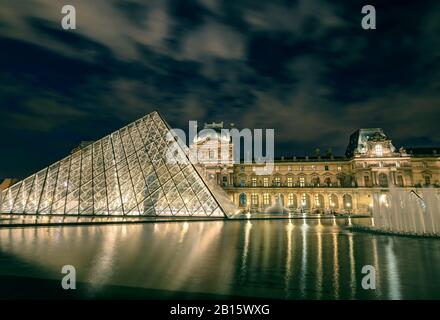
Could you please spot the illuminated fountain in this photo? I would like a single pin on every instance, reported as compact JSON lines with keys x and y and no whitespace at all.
{"x":407,"y":212}
{"x":278,"y":206}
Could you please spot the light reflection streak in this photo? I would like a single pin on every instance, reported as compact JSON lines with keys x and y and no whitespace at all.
{"x":335,"y":266}
{"x":287,"y":276}
{"x":247,"y":234}
{"x":319,"y":260}
{"x":393,"y":272}
{"x":303,"y":272}
{"x":352,"y":266}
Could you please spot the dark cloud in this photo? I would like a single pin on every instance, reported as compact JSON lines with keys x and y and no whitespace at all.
{"x":305,"y":68}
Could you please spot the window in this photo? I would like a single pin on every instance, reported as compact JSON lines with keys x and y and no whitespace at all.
{"x":242,"y":183}
{"x":265,"y":182}
{"x":243,"y":200}
{"x":317,"y":203}
{"x":301,"y":168}
{"x":305,"y":201}
{"x":277,"y":181}
{"x":316,"y":181}
{"x":242,"y":169}
{"x":366,"y":181}
{"x":326,"y":167}
{"x":289,"y":168}
{"x":289,"y":182}
{"x":383,"y":180}
{"x":397,"y":164}
{"x":313,"y":168}
{"x":211,"y":154}
{"x":266,"y":198}
{"x":424,"y":165}
{"x":339,"y":168}
{"x":334,"y":203}
{"x":348,"y":205}
{"x":254,"y":181}
{"x":427,"y":180}
{"x":277,"y":168}
{"x":378,"y":150}
{"x":254,"y":199}
{"x":291,"y":200}
{"x":400,"y":181}
{"x":225,"y":181}
{"x":328,"y":182}
{"x":302,"y":182}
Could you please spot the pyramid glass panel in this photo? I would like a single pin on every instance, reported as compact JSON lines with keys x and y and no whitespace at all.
{"x":137,"y":170}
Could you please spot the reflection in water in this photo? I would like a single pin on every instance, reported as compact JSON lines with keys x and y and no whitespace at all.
{"x":305,"y":259}
{"x":247,"y":234}
{"x":303,"y":272}
{"x":393,"y":272}
{"x":335,"y":266}
{"x":289,"y":229}
{"x":352,"y":266}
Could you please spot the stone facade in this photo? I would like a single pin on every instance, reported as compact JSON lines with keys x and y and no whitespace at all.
{"x":328,"y":183}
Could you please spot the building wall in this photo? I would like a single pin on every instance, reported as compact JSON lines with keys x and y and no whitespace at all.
{"x":326,"y":183}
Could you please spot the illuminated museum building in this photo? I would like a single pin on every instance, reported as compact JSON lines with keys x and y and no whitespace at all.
{"x":323,"y":182}
{"x":132,"y":172}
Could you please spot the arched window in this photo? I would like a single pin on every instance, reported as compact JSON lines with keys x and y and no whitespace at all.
{"x":305,"y":200}
{"x":334,"y":202}
{"x":348,"y":204}
{"x":316,"y":181}
{"x":383,"y":180}
{"x":319,"y":201}
{"x":243,"y":200}
{"x":292,"y":200}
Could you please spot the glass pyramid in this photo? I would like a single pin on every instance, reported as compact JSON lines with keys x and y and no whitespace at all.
{"x":129,"y":172}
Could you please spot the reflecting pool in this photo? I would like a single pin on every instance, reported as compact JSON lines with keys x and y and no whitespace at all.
{"x":286,"y":259}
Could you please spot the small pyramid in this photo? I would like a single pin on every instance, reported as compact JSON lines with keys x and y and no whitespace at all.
{"x":137,"y":170}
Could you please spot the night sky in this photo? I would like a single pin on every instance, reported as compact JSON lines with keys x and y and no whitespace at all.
{"x":305,"y":68}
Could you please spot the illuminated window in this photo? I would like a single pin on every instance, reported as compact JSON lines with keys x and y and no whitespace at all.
{"x":266,"y":198}
{"x":291,"y":199}
{"x":289,"y":182}
{"x":254,"y":182}
{"x":378,"y":150}
{"x":339,"y":168}
{"x":277,"y":181}
{"x":254,"y":198}
{"x":302,"y":181}
{"x":317,"y":203}
{"x":265,"y":182}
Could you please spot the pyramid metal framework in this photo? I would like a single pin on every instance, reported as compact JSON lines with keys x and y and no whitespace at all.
{"x":128,"y":172}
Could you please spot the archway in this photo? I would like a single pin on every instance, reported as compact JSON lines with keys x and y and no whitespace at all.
{"x":334,"y":201}
{"x":243,"y":200}
{"x":348,"y":202}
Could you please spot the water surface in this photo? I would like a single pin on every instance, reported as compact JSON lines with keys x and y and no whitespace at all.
{"x":287,"y":259}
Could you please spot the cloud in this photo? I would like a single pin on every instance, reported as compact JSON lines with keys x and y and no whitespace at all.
{"x":213,"y":40}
